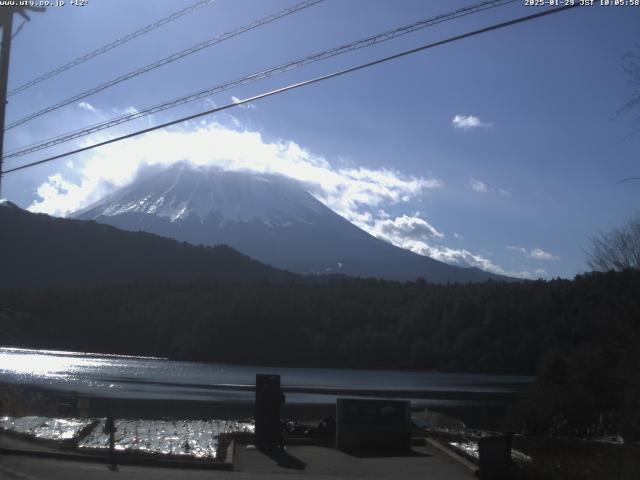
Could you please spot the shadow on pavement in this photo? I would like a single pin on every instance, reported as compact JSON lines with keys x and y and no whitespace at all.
{"x":284,"y":460}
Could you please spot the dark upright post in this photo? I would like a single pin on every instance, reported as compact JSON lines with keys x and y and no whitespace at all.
{"x":495,"y":457}
{"x":269,"y":398}
{"x":6,"y":17}
{"x":6,"y":22}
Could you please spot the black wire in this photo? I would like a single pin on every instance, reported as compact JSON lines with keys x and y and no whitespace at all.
{"x":272,"y":71}
{"x":18,"y":30}
{"x":300,"y":84}
{"x":109,"y":46}
{"x":166,"y":61}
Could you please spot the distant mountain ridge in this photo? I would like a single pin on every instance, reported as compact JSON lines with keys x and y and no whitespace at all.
{"x":39,"y":251}
{"x":270,"y":218}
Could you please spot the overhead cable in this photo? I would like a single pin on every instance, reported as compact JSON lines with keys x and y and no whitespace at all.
{"x":318,"y":56}
{"x":165,"y":61}
{"x":109,"y":46}
{"x":299,"y":85}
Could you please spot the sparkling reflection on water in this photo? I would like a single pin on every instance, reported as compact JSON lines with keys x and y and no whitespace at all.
{"x":157,"y":378}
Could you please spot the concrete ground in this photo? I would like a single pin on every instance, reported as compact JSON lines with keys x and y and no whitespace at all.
{"x":322,"y":462}
{"x":297,"y":461}
{"x":14,"y":467}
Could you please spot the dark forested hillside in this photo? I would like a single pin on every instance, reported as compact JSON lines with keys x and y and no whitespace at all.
{"x":40,"y":251}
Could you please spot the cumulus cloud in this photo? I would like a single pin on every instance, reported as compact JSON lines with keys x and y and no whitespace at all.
{"x":478,"y":186}
{"x":130,"y":110}
{"x":208,"y":103}
{"x":540,"y":254}
{"x":86,"y":106}
{"x":416,"y":234}
{"x":248,"y":106}
{"x":536,"y":253}
{"x":411,"y":228}
{"x":419,"y":236}
{"x":481,"y":187}
{"x":468,"y":122}
{"x":453,"y":256}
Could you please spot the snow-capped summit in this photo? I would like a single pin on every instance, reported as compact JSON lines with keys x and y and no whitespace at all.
{"x":270,"y":218}
{"x":184,"y":191}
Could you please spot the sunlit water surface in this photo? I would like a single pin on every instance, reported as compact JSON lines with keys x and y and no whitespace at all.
{"x":157,"y":378}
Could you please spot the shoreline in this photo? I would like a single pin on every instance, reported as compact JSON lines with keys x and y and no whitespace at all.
{"x":486,"y":415}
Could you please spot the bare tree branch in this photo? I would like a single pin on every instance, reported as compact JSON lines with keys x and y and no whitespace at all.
{"x":618,"y":249}
{"x":631,"y":67}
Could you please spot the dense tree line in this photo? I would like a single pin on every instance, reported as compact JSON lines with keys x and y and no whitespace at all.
{"x":490,"y":327}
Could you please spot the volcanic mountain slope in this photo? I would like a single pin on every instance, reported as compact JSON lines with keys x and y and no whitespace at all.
{"x":39,"y":251}
{"x":270,"y":218}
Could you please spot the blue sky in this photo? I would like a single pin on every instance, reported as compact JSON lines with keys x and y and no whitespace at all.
{"x":502,"y":151}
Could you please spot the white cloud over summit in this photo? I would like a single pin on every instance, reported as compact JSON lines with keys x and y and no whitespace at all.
{"x":346,"y":190}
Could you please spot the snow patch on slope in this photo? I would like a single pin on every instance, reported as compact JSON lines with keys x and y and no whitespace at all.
{"x":183,"y":191}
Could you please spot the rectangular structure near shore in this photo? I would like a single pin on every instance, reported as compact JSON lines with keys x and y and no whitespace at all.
{"x":381,"y":425}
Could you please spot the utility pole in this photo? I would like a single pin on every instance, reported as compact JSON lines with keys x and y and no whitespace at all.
{"x":6,"y":22}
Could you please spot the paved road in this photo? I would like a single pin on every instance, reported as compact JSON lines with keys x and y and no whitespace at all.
{"x":299,"y":462}
{"x":320,"y":462}
{"x":27,"y":468}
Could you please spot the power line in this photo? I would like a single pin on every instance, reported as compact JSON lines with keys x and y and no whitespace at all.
{"x":15,"y":34}
{"x":300,"y":84}
{"x":165,"y":61}
{"x":322,"y":55}
{"x":110,"y":46}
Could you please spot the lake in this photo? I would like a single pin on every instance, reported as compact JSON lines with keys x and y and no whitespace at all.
{"x":142,"y":379}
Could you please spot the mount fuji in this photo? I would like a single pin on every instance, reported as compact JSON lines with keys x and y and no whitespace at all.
{"x":270,"y":218}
